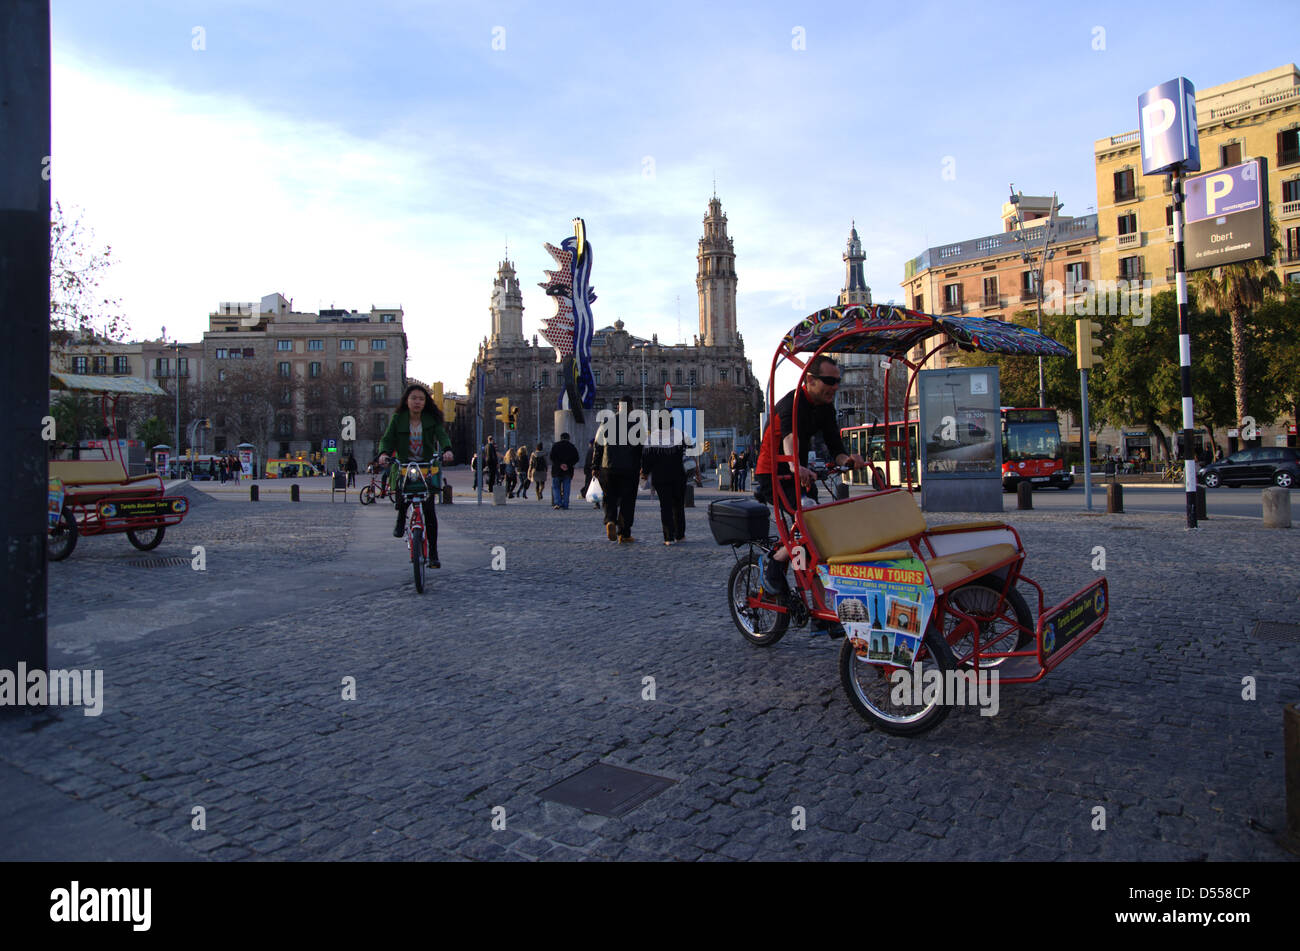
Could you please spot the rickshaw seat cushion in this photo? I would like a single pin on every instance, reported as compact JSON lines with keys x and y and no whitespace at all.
{"x":947,"y":570}
{"x":864,"y":524}
{"x":894,"y":554}
{"x":964,"y":527}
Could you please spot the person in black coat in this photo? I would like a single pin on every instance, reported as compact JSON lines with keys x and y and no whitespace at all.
{"x":618,"y":464}
{"x":564,"y":459}
{"x":588,"y":467}
{"x":664,"y":463}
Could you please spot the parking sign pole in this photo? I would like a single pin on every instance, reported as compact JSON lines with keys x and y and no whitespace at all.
{"x":1184,"y":350}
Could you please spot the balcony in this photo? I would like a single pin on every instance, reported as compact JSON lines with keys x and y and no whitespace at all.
{"x":1290,"y":209}
{"x":951,"y":307}
{"x":1028,"y":294}
{"x":1125,"y":194}
{"x":1289,"y":255}
{"x":991,"y":300}
{"x":1131,"y":240}
{"x":1288,"y":157}
{"x":1135,"y":274}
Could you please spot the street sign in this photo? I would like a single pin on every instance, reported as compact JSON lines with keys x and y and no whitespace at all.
{"x":1167,"y":127}
{"x":668,"y":391}
{"x":1227,"y":216}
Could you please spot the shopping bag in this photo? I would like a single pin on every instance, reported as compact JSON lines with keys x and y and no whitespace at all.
{"x":595,"y":494}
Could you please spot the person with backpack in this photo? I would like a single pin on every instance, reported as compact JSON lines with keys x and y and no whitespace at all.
{"x":537,"y":466}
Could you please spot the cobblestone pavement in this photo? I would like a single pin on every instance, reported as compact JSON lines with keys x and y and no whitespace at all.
{"x":495,"y":684}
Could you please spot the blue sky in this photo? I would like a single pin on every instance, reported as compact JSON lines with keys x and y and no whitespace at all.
{"x":351,"y":154}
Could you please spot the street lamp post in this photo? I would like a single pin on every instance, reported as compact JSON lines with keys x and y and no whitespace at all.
{"x":1045,"y":254}
{"x":537,"y":405}
{"x":176,"y":346}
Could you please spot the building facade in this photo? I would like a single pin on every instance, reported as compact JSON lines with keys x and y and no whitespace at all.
{"x":711,"y":374}
{"x":1247,"y":118}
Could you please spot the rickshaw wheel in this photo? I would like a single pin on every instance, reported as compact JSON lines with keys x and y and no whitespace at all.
{"x":979,"y":599}
{"x":756,"y":625}
{"x":62,"y":538}
{"x":869,"y":687}
{"x":146,"y":539}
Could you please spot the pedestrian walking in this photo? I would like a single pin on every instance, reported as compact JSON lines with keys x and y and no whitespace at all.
{"x":512,"y":477}
{"x":223,"y":470}
{"x":619,"y":467}
{"x":587,"y":467}
{"x":664,"y":462}
{"x":492,"y":464}
{"x":522,"y":459}
{"x":564,"y":459}
{"x":351,"y":467}
{"x":537,"y":466}
{"x":473,"y":464}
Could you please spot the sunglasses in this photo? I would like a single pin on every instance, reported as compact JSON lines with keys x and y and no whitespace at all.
{"x":829,"y":380}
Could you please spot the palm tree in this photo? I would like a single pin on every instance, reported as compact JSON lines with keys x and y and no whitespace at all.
{"x":1237,"y":289}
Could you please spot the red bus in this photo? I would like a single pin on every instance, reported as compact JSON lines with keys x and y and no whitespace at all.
{"x":1031,"y":449}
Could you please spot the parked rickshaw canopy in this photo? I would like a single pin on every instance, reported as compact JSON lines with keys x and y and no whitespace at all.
{"x":894,"y":331}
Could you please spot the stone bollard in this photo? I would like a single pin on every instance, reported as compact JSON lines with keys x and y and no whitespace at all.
{"x":293,"y":493}
{"x":252,"y":493}
{"x":1277,"y":507}
{"x":1115,"y":498}
{"x":499,"y":494}
{"x":1024,"y":495}
{"x":1291,"y":764}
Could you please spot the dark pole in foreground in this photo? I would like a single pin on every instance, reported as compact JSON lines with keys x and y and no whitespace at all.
{"x":25,"y":303}
{"x":1184,"y":350}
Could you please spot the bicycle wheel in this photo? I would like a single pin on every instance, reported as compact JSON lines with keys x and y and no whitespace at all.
{"x":756,"y":625}
{"x":367,"y":495}
{"x":979,"y":599}
{"x":417,"y":557}
{"x":146,"y":539}
{"x":873,"y":689}
{"x":62,"y":538}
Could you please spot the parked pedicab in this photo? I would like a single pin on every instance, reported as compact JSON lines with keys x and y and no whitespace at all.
{"x":99,"y":496}
{"x":912,"y":598}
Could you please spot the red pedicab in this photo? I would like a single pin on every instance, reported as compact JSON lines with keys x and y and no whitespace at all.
{"x":98,"y":496}
{"x":907,"y":594}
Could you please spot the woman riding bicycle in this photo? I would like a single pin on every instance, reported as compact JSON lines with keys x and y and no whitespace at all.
{"x":415,"y":433}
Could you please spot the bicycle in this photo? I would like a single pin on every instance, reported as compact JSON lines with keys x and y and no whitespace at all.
{"x":1173,"y":472}
{"x":416,"y":491}
{"x":377,"y":489}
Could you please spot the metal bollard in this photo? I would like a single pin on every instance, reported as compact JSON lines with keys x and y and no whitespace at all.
{"x":1115,"y":498}
{"x":1024,"y":495}
{"x":293,"y":493}
{"x":1291,"y":763}
{"x":252,"y":492}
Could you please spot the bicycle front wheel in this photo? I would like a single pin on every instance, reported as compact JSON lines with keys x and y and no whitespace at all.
{"x":367,"y":495}
{"x":417,"y":557}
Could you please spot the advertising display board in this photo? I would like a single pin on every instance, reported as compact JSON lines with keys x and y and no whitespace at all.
{"x":961,"y":439}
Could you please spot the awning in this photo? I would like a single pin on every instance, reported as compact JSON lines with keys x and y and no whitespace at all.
{"x":94,"y":383}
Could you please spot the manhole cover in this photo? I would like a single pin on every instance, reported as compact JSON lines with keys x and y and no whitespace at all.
{"x":174,"y":561}
{"x":1276,"y":631}
{"x":607,"y":790}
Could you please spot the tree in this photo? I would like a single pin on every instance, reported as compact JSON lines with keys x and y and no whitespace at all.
{"x":247,"y":404}
{"x":1018,"y":375}
{"x":78,"y":308}
{"x":1237,"y":289}
{"x":76,"y":417}
{"x":154,"y":432}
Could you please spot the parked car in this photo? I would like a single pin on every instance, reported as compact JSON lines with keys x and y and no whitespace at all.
{"x":1264,"y":465}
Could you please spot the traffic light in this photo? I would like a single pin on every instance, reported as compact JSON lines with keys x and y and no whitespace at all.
{"x":1087,"y":344}
{"x":514,"y":416}
{"x":503,"y":409}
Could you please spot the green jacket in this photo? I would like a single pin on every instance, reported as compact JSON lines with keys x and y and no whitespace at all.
{"x":397,"y":441}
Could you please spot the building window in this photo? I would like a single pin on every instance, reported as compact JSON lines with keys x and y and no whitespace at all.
{"x":286,"y":396}
{"x":388,"y":318}
{"x":221,"y":376}
{"x":315,"y":344}
{"x":1075,"y":274}
{"x":722,"y":376}
{"x":678,"y":376}
{"x":1127,"y":224}
{"x":663,"y":376}
{"x":1028,"y":284}
{"x":918,"y":303}
{"x":1293,"y":277}
{"x":645,"y":376}
{"x":991,"y":298}
{"x":347,"y":344}
{"x":79,"y":364}
{"x":99,"y":365}
{"x":1230,"y":154}
{"x":1169,"y":216}
{"x":618,"y":377}
{"x":346,"y":391}
{"x":381,"y":422}
{"x":1291,"y":191}
{"x":381,"y":371}
{"x":284,"y":345}
{"x":248,"y":353}
{"x":285,"y":370}
{"x":346,"y":367}
{"x":1288,"y":147}
{"x":1291,"y":246}
{"x":222,"y":353}
{"x":379,"y":392}
{"x":951,"y":297}
{"x":314,"y":427}
{"x":509,"y":374}
{"x":1125,"y":190}
{"x":379,"y":345}
{"x":1130,"y":268}
{"x":313,"y":370}
{"x":121,"y":365}
{"x":183,"y":366}
{"x":546,"y":378}
{"x":162,"y":368}
{"x":284,"y":427}
{"x":597,"y":372}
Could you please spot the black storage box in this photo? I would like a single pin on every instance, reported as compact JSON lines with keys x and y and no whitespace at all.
{"x":739,"y":520}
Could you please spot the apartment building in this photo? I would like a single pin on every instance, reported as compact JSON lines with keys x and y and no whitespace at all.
{"x":1258,"y":116}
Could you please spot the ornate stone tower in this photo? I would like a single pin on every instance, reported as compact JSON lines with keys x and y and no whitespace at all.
{"x":855,"y":282}
{"x":716,"y":280}
{"x":507,"y":308}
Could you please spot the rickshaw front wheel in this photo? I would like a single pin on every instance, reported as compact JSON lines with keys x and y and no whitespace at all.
{"x":62,"y":538}
{"x":146,"y":539}
{"x":873,"y":689}
{"x":979,"y":599}
{"x":756,"y":625}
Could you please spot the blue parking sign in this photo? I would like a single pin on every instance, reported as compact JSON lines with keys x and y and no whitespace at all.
{"x":1167,"y":127}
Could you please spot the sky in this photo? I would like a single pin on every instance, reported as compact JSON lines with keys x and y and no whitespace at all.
{"x":354,"y":154}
